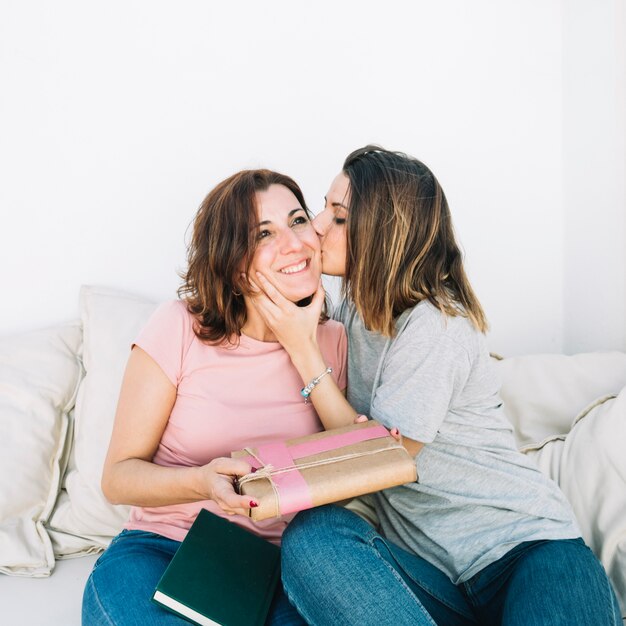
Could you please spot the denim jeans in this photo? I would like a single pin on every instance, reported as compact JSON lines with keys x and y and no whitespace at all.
{"x":120,"y":587}
{"x":338,"y":570}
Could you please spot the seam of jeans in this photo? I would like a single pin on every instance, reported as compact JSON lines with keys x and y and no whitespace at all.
{"x":402,"y":581}
{"x":435,"y":595}
{"x":100,"y":605}
{"x":611,"y":600}
{"x":606,"y":586}
{"x":611,"y":596}
{"x":293,"y":603}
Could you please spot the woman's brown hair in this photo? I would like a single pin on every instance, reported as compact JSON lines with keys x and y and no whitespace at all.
{"x":401,"y":244}
{"x":222,"y":246}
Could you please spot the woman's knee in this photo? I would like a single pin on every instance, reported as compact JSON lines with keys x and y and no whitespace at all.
{"x":318,"y":526}
{"x":320,"y":535}
{"x":93,"y":611}
{"x":539,"y":579}
{"x":121,"y":584}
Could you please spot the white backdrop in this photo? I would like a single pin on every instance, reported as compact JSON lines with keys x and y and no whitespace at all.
{"x":116,"y":118}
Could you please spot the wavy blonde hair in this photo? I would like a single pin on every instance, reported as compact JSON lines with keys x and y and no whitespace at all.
{"x":401,"y":243}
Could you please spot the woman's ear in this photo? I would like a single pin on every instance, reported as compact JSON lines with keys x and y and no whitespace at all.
{"x":238,"y":284}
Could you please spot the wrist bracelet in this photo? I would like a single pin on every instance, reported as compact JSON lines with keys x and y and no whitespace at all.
{"x":305,"y":392}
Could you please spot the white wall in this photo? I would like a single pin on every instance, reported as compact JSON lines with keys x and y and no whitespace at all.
{"x":117,"y":118}
{"x":594,"y":192}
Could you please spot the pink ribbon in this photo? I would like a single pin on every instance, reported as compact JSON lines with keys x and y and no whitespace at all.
{"x":333,"y":442}
{"x":294,"y":492}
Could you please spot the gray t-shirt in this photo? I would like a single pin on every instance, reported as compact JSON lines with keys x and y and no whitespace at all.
{"x":477,"y":495}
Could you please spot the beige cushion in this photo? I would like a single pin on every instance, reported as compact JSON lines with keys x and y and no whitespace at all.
{"x":111,"y":321}
{"x":542,"y":392}
{"x":39,"y":375}
{"x":589,"y":464}
{"x":363,"y":506}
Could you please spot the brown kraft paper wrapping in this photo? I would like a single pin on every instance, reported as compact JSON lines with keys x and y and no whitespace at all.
{"x":288,"y":478}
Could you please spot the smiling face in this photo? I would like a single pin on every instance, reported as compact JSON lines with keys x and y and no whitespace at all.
{"x":288,"y":248}
{"x":330,"y":225}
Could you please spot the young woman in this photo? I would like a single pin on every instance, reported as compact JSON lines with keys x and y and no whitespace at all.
{"x":206,"y":376}
{"x":483,"y":537}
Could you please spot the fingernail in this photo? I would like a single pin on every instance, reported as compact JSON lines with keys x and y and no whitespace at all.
{"x":253,"y":504}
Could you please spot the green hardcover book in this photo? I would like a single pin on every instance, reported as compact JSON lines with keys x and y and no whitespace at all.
{"x":221,"y":574}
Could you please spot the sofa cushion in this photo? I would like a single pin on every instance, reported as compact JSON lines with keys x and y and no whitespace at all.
{"x":39,"y":376}
{"x":589,"y":464}
{"x":542,"y":392}
{"x":111,"y":320}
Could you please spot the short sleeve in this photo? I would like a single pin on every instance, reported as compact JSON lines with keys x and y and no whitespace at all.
{"x":421,"y":378}
{"x":166,"y":338}
{"x":334,"y":347}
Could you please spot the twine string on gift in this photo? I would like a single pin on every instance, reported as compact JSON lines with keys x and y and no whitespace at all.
{"x":264,"y":471}
{"x":281,"y":464}
{"x":267,"y":471}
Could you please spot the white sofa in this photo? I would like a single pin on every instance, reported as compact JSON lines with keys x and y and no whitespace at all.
{"x":58,"y":390}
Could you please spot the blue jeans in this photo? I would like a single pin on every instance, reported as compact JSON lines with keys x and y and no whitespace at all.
{"x":120,"y":587}
{"x":338,"y":570}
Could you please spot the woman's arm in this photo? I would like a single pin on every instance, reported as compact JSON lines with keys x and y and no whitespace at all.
{"x":296,"y":329}
{"x":413,"y":447}
{"x":130,"y":477}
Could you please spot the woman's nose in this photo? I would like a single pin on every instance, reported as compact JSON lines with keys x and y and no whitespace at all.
{"x":290,"y":241}
{"x":322,"y":222}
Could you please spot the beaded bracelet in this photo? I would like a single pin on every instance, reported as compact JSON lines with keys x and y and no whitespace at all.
{"x":305,"y":392}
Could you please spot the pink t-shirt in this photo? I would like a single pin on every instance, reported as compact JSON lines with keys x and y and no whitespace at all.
{"x":227,"y":398}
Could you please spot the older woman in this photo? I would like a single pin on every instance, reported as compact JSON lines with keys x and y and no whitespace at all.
{"x":206,"y":376}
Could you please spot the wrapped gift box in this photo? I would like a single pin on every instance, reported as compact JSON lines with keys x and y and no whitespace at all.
{"x":330,"y":466}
